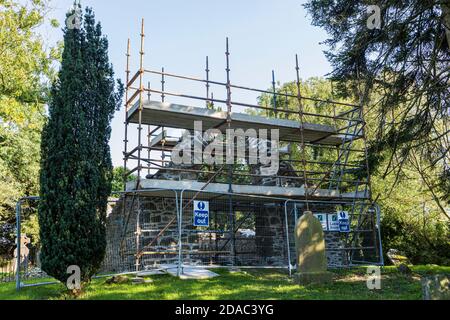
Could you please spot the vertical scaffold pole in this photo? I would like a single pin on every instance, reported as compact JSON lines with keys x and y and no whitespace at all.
{"x":207,"y":82}
{"x":18,"y":238}
{"x":149,"y":128}
{"x":288,"y":245}
{"x":163,"y":85}
{"x":141,"y":102}
{"x":286,"y":104}
{"x":364,"y":132}
{"x":125,"y":141}
{"x":230,"y":152}
{"x":138,"y":235}
{"x":163,"y":99}
{"x":302,"y":129}
{"x":212,"y":99}
{"x":274,"y":88}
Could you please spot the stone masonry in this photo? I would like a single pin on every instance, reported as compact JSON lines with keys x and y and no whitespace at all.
{"x":259,"y":243}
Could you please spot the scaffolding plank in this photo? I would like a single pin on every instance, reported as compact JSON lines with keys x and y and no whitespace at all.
{"x":164,"y":188}
{"x":162,"y":140}
{"x":178,"y":116}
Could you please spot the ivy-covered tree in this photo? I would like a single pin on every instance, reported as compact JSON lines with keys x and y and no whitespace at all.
{"x":402,"y":64}
{"x":76,"y":168}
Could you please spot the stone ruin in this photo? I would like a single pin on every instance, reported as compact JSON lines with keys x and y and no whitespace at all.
{"x":262,"y":242}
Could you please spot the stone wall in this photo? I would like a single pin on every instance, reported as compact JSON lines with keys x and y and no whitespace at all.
{"x":122,"y":242}
{"x":270,"y":235}
{"x":333,"y":244}
{"x":263,"y":244}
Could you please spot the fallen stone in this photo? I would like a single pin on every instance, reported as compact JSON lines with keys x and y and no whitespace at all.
{"x":188,"y":273}
{"x":140,"y":280}
{"x":436,"y":287}
{"x":150,"y":273}
{"x":118,"y":280}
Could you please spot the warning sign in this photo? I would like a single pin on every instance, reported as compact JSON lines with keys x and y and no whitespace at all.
{"x":333,"y":222}
{"x":344,"y":222}
{"x":201,"y":214}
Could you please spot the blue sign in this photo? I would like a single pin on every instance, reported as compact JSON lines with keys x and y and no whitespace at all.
{"x":333,"y":222}
{"x":201,"y":214}
{"x":344,"y":222}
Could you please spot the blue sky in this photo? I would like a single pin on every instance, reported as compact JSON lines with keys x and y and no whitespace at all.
{"x":264,"y":35}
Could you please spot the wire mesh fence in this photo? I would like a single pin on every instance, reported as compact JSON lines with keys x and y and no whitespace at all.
{"x":7,"y":245}
{"x":20,"y":245}
{"x":360,"y":244}
{"x":159,"y":231}
{"x":250,"y":233}
{"x":147,"y":231}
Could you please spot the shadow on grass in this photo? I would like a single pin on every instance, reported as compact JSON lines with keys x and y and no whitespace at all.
{"x":245,"y":285}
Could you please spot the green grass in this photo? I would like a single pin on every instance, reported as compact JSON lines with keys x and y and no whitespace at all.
{"x":250,"y":284}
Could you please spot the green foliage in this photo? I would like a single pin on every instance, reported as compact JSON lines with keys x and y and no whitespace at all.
{"x":76,"y":168}
{"x":411,"y":220}
{"x":401,"y":73}
{"x":117,"y":181}
{"x":25,"y":69}
{"x":422,"y":239}
{"x":403,"y":67}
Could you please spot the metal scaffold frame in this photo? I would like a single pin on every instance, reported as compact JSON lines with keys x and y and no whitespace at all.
{"x":348,"y":141}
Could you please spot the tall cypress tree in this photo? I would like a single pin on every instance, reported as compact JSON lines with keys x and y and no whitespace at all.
{"x":76,"y":167}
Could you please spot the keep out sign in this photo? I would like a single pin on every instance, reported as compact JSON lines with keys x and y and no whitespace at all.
{"x":201,"y":213}
{"x":344,"y":221}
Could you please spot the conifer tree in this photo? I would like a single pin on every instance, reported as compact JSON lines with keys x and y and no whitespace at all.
{"x":76,"y":167}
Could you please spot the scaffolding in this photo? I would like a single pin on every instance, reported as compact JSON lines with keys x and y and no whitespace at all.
{"x":323,"y":168}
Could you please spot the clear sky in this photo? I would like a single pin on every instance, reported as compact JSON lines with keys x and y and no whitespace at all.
{"x":264,"y":35}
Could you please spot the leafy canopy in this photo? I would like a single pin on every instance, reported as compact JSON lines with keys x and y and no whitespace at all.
{"x":405,"y":66}
{"x":25,"y":70}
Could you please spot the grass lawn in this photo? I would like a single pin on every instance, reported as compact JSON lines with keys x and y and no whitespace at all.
{"x":248,"y":284}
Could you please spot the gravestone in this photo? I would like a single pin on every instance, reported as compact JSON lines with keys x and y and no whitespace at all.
{"x":436,"y":287}
{"x":310,"y":247}
{"x":24,"y":253}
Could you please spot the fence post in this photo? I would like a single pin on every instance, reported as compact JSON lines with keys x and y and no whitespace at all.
{"x":378,"y":211}
{"x":180,"y":228}
{"x":18,"y":242}
{"x":287,"y":237}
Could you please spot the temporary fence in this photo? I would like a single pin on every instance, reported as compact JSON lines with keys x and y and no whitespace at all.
{"x":196,"y":228}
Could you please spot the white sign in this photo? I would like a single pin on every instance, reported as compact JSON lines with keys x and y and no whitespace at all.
{"x":333,"y":222}
{"x":344,"y":221}
{"x":323,"y":220}
{"x":201,"y":213}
